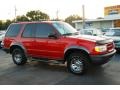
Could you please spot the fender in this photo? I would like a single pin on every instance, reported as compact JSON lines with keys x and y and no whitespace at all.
{"x":20,"y":45}
{"x":76,"y":47}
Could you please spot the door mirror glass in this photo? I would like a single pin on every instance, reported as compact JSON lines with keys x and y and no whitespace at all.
{"x":53,"y":36}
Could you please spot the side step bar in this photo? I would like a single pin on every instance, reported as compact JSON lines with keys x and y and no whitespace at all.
{"x":47,"y":61}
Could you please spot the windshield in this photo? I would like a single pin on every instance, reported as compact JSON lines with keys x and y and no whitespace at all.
{"x":64,"y":28}
{"x":113,"y":33}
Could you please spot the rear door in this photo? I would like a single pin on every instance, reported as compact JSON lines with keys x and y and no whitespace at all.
{"x":28,"y":38}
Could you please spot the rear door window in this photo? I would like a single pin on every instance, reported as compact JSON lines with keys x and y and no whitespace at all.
{"x":29,"y":30}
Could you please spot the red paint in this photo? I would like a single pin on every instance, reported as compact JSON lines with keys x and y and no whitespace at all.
{"x":51,"y":48}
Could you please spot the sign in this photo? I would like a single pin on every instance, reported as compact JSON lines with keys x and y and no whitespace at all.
{"x":112,"y":10}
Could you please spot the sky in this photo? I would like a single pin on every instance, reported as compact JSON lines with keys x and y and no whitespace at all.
{"x":93,"y":8}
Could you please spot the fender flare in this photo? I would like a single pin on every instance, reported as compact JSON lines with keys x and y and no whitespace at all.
{"x":76,"y":47}
{"x":19,"y":45}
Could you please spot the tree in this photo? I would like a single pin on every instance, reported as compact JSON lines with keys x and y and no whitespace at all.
{"x":36,"y":15}
{"x":71,"y":18}
{"x":7,"y":23}
{"x":22,"y":18}
{"x":1,"y":25}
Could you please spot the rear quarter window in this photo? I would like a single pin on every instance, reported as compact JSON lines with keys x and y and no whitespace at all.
{"x":13,"y":30}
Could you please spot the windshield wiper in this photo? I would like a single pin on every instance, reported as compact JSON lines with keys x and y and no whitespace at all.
{"x":68,"y":34}
{"x":76,"y":33}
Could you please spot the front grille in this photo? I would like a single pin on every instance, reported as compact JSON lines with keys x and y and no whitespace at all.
{"x":110,"y":47}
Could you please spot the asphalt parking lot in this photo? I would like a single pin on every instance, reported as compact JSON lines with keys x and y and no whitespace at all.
{"x":39,"y":73}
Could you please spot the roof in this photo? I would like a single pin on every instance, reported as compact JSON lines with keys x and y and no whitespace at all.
{"x":25,"y":22}
{"x":106,"y":18}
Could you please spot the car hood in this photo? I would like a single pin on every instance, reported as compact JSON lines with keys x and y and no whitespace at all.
{"x":92,"y":38}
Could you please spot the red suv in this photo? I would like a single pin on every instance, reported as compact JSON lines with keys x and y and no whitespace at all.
{"x":56,"y":41}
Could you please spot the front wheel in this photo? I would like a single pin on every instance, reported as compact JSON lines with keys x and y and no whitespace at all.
{"x":77,"y":63}
{"x":19,"y":57}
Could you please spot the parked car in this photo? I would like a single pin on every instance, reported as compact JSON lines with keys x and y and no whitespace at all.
{"x":2,"y":34}
{"x":57,"y":41}
{"x":114,"y":33}
{"x":104,"y":30}
{"x":91,"y":31}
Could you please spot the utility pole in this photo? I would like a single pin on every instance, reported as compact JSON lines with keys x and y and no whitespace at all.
{"x":57,"y":12}
{"x":83,"y":11}
{"x":15,"y":12}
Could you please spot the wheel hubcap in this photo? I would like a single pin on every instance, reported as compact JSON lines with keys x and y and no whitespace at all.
{"x":17,"y":57}
{"x":76,"y":64}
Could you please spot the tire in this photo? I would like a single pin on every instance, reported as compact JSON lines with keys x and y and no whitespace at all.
{"x":19,"y":57}
{"x":77,"y":63}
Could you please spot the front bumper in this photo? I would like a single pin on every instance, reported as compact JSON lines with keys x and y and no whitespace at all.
{"x":102,"y":59}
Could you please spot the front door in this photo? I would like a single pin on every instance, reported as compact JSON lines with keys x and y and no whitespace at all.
{"x":46,"y":47}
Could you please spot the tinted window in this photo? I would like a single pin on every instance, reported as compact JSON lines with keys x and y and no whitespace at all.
{"x":29,"y":30}
{"x":13,"y":30}
{"x":113,"y":33}
{"x":43,"y":30}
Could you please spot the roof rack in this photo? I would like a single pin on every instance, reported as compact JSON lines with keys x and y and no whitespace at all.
{"x":33,"y":21}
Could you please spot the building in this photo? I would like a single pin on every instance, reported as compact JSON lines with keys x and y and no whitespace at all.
{"x":111,"y":19}
{"x":111,"y":10}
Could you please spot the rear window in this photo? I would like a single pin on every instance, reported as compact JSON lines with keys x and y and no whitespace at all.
{"x":13,"y":30}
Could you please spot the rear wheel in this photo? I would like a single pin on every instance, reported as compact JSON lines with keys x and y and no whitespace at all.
{"x":19,"y":57}
{"x":77,"y":63}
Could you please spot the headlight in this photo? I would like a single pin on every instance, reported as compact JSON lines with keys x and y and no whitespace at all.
{"x":101,"y":48}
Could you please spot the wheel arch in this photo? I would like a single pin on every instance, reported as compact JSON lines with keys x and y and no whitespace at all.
{"x":72,"y":49}
{"x":17,"y":45}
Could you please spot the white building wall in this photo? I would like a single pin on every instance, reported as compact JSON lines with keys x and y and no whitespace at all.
{"x":106,"y":24}
{"x":98,"y":24}
{"x":95,"y":25}
{"x":78,"y":25}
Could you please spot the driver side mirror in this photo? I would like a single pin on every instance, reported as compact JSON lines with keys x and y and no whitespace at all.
{"x":53,"y":36}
